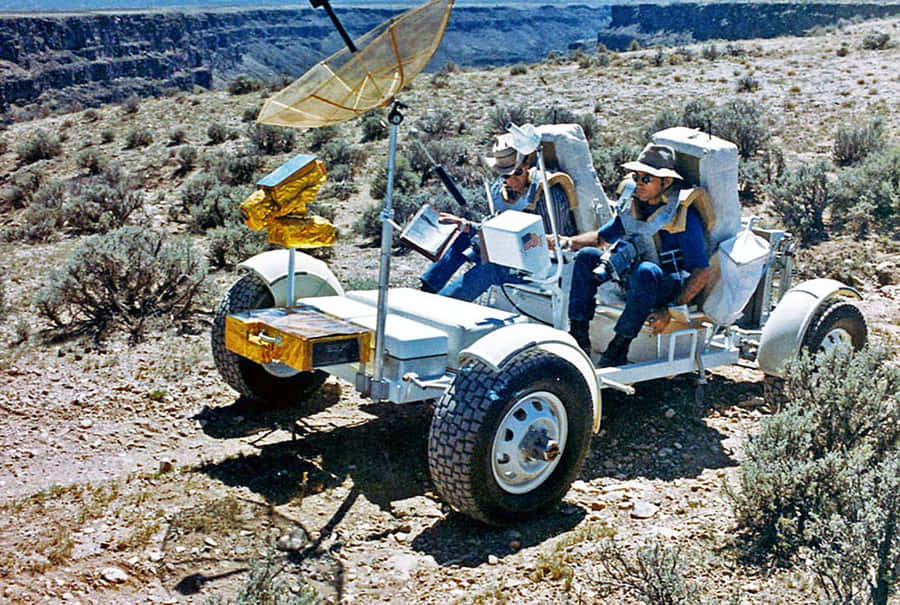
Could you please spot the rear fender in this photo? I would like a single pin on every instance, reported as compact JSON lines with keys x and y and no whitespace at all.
{"x":786,"y":327}
{"x":500,"y":347}
{"x":312,"y":277}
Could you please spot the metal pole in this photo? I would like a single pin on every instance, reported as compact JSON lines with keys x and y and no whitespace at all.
{"x":387,"y":236}
{"x":290,"y":277}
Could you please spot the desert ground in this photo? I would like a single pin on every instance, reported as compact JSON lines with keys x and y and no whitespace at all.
{"x":131,"y":473}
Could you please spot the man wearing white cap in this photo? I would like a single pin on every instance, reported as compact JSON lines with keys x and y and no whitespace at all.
{"x":653,"y":211}
{"x":516,"y":188}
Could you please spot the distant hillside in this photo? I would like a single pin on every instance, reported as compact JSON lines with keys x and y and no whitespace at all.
{"x":60,"y":61}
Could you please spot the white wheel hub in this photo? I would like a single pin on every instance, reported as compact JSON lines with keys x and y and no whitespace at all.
{"x":529,"y":442}
{"x":836,"y":338}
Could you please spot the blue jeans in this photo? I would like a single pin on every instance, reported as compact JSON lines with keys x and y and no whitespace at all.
{"x":475,"y":281}
{"x":649,"y":287}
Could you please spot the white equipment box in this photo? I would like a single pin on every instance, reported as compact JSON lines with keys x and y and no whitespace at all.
{"x":517,"y":239}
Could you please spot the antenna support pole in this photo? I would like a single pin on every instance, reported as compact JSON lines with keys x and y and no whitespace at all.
{"x":337,"y":24}
{"x":378,"y":389}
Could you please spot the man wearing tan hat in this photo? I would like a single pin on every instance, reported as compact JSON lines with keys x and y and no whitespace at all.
{"x":653,"y":211}
{"x":516,"y":188}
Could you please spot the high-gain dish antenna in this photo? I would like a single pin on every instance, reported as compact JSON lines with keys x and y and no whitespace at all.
{"x":351,"y":82}
{"x":367,"y":73}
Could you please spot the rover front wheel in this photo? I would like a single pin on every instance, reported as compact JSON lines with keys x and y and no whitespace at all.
{"x":506,"y":445}
{"x":273,"y":384}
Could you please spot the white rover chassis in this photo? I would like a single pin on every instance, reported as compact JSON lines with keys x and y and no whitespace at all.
{"x":517,"y":399}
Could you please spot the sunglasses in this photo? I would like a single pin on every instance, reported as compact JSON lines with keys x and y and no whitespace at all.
{"x":518,"y":172}
{"x":644,"y":178}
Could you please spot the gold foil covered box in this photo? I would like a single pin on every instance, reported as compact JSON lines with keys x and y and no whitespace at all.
{"x":301,"y":337}
{"x":280,"y":205}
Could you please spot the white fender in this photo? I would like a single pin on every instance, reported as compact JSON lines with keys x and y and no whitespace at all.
{"x":499,"y":347}
{"x":783,"y":333}
{"x":312,"y":277}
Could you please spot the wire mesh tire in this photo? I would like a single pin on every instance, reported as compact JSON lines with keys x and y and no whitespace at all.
{"x":482,"y":427}
{"x":837,"y":324}
{"x":272,"y":385}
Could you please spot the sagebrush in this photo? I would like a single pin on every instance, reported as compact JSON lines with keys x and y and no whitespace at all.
{"x":840,"y":416}
{"x":122,"y":280}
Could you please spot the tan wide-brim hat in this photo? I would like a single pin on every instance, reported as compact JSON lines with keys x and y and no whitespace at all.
{"x":658,"y":160}
{"x":503,"y":159}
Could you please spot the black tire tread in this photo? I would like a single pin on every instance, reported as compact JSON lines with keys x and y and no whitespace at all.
{"x":458,"y":418}
{"x":829,"y":315}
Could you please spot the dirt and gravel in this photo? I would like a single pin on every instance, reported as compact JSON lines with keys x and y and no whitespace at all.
{"x":132,"y":474}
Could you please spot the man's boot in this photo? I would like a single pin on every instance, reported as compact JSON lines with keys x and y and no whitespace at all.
{"x":579,"y":331}
{"x":616,"y":354}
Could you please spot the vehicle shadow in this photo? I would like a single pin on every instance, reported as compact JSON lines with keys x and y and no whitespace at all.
{"x":660,"y":432}
{"x":385,"y":456}
{"x":458,"y":540}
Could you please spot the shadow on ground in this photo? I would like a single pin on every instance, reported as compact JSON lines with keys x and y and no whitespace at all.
{"x":660,"y":432}
{"x":385,"y":456}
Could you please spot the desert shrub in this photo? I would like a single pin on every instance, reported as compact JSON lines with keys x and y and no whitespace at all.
{"x":800,"y":197}
{"x":843,"y":50}
{"x":90,"y":115}
{"x":665,"y":118}
{"x":759,"y":172}
{"x":342,"y":189}
{"x":742,"y":123}
{"x":243,"y":84}
{"x":501,"y":115}
{"x":876,"y":41}
{"x":853,"y":143}
{"x":602,"y":58}
{"x":186,"y":158}
{"x":232,"y":244}
{"x":195,"y":189}
{"x":321,"y":136}
{"x":686,"y":54}
{"x":608,"y":162}
{"x":454,"y":156}
{"x":439,"y":80}
{"x":519,"y":69}
{"x":698,"y":113}
{"x":138,"y":137}
{"x":250,"y":113}
{"x":635,"y":45}
{"x":42,"y":145}
{"x":122,"y":280}
{"x":405,"y":179}
{"x":107,"y":136}
{"x":747,"y":83}
{"x":99,"y":206}
{"x":856,"y":557}
{"x":217,"y":133}
{"x":22,"y":185}
{"x":91,"y":160}
{"x":338,"y":151}
{"x":557,"y":115}
{"x":658,"y":59}
{"x":374,"y":127}
{"x":271,"y":139}
{"x":654,"y":575}
{"x":177,"y":137}
{"x":437,"y":123}
{"x":219,"y":207}
{"x":4,"y":146}
{"x":131,"y":105}
{"x":867,"y":197}
{"x":237,"y":168}
{"x":710,"y":52}
{"x":840,"y":417}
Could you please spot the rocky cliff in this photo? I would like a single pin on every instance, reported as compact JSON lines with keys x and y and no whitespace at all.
{"x":61,"y":61}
